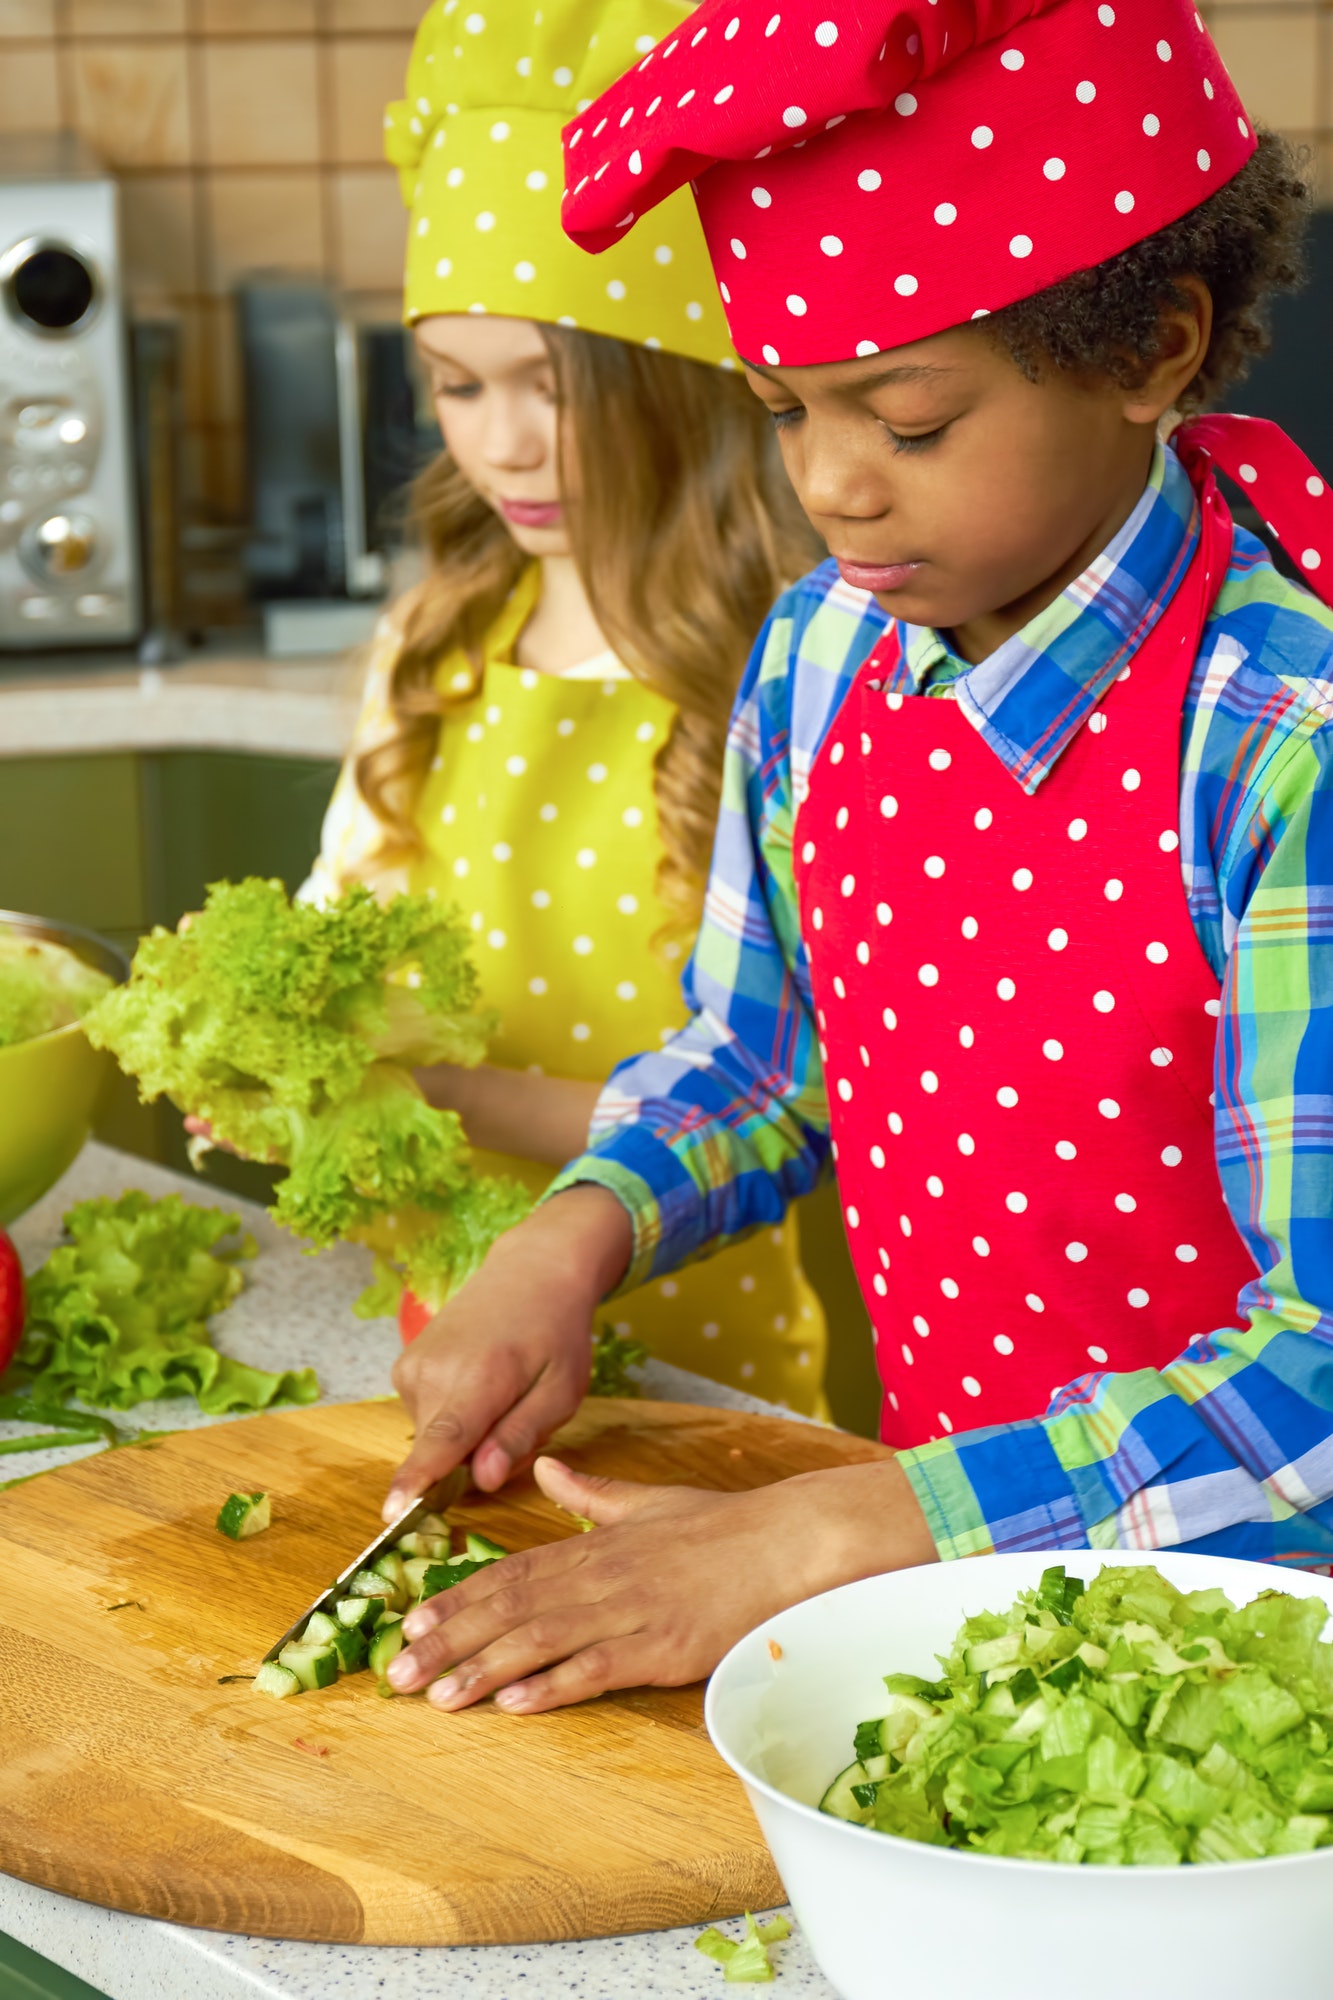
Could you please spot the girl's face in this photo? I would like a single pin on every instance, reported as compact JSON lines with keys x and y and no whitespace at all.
{"x":495,"y":394}
{"x":961,"y":494}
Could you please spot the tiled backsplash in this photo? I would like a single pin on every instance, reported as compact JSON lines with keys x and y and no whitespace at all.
{"x":247,"y":133}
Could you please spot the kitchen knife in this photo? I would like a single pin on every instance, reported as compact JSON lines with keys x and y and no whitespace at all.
{"x":434,"y":1500}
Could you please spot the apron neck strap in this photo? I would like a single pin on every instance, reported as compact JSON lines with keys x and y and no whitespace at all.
{"x":1293,"y":499}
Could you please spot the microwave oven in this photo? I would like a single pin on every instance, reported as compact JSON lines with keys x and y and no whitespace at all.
{"x":69,"y":559}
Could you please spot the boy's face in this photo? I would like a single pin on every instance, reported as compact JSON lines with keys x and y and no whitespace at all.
{"x":963,"y":495}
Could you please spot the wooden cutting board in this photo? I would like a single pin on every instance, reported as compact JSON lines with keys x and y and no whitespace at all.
{"x":132,"y":1777}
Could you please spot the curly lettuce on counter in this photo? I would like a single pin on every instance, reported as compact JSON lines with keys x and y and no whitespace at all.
{"x":119,"y":1313}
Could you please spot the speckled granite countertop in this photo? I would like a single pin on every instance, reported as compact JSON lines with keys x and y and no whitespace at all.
{"x":289,"y":708}
{"x":295,"y":1311}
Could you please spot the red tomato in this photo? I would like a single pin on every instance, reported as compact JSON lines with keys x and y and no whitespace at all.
{"x":413,"y":1316}
{"x":13,"y":1306}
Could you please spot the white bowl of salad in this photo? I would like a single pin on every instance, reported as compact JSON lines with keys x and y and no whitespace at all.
{"x":1107,"y":1775}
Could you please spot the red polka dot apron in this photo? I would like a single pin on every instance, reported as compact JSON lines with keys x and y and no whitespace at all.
{"x":1017,"y":1026}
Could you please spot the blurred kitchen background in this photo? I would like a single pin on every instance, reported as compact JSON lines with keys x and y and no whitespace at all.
{"x":208,"y":417}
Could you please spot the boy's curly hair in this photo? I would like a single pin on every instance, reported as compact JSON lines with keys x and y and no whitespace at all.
{"x":1244,"y":242}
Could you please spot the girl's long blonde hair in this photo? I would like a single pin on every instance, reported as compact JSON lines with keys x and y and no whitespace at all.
{"x":685,"y":531}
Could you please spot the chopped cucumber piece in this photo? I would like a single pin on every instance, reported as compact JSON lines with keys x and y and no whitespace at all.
{"x":357,"y":1612}
{"x":389,"y":1567}
{"x":244,"y":1514}
{"x":320,"y":1629}
{"x":415,"y":1569}
{"x":366,"y":1583}
{"x":866,"y":1742}
{"x":839,"y":1799}
{"x":349,"y":1643}
{"x":991,"y":1653}
{"x":315,"y":1666}
{"x":419,"y":1544}
{"x":386,"y":1645}
{"x":388,"y":1618}
{"x":482,"y":1549}
{"x":276,"y":1680}
{"x":433,"y":1524}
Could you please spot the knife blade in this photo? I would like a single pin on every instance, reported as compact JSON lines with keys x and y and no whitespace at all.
{"x":434,"y":1500}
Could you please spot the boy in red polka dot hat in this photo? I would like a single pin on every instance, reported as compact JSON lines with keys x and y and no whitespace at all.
{"x":1021,"y":910}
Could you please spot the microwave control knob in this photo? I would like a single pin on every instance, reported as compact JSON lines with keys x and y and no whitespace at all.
{"x":61,"y":545}
{"x":49,"y":289}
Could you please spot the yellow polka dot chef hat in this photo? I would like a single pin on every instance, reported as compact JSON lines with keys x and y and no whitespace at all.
{"x":476,"y":142}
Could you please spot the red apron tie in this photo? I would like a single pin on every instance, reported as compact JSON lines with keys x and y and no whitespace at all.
{"x":1291,"y":496}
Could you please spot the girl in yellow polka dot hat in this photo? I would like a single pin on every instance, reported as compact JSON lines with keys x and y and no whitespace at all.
{"x":542,"y":737}
{"x":476,"y":142}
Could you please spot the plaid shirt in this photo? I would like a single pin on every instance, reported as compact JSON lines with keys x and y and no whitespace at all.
{"x":1228,"y":1449}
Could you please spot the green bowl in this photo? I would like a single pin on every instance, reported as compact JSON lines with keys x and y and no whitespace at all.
{"x":50,"y":1085}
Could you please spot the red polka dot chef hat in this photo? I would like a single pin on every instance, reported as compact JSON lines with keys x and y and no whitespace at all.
{"x":871,"y":172}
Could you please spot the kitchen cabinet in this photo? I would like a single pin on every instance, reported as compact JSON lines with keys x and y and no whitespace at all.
{"x":122,"y":841}
{"x":26,"y":1976}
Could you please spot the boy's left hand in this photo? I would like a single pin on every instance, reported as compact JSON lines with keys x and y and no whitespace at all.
{"x":670,"y":1579}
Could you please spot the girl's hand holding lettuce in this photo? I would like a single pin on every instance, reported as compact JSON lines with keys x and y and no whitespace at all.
{"x":294,"y":1031}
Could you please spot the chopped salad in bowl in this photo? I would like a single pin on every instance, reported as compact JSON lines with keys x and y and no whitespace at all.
{"x":1122,"y":1721}
{"x":1113,"y":1768}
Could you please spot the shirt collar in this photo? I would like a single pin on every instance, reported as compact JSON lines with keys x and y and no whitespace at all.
{"x":1034,"y":693}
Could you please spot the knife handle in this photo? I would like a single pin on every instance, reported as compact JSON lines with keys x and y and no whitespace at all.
{"x":443,"y":1494}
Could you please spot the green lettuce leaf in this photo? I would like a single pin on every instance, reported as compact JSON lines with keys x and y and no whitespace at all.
{"x":119,"y":1314}
{"x":744,"y":1961}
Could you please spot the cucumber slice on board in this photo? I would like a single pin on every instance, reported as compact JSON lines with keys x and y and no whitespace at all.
{"x":356,"y":1613}
{"x":315,"y":1666}
{"x":349,"y":1643}
{"x":389,"y":1568}
{"x":276,"y":1680}
{"x":419,"y":1544}
{"x":243,"y":1515}
{"x":386,"y":1645}
{"x":320,"y":1629}
{"x":366,"y":1583}
{"x":482,"y":1549}
{"x":415,"y":1569}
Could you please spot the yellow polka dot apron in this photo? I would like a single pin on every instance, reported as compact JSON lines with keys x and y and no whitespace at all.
{"x":539,"y":822}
